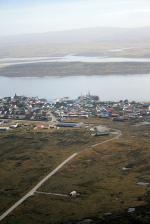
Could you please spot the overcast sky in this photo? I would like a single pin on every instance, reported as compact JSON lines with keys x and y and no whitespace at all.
{"x":35,"y":16}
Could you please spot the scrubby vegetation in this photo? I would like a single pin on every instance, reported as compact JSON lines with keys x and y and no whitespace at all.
{"x":106,"y":190}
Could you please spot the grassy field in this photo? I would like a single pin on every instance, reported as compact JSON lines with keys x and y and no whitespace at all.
{"x":26,"y":156}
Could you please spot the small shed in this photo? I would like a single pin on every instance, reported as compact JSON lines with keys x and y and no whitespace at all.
{"x":74,"y":194}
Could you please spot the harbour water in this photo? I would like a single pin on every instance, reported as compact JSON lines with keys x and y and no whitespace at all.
{"x":132,"y":87}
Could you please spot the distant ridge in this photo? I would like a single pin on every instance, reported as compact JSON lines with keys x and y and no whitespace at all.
{"x":96,"y":34}
{"x":62,"y":42}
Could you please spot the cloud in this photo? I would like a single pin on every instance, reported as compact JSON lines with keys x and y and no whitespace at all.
{"x":42,"y":16}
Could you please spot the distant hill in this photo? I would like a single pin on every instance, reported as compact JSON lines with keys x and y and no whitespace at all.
{"x":80,"y":41}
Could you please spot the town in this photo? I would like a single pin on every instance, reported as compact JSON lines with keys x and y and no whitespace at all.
{"x":62,"y":110}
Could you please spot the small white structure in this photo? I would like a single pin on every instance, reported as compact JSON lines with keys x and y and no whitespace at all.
{"x":4,"y":128}
{"x":14,"y":125}
{"x":73,"y":194}
{"x":1,"y":122}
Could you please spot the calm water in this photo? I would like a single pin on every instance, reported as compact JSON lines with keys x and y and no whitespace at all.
{"x":135,"y":87}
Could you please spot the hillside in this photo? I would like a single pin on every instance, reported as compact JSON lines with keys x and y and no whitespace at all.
{"x":82,"y":41}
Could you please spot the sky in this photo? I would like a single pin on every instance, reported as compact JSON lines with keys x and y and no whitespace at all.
{"x":38,"y":16}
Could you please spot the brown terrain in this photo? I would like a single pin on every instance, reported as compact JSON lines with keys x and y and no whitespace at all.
{"x":107,"y":190}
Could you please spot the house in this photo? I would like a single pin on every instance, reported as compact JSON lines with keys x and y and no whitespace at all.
{"x":74,"y":194}
{"x":4,"y":128}
{"x":14,"y":125}
{"x":121,"y":119}
{"x":104,"y":115}
{"x":100,"y":131}
{"x":40,"y":126}
{"x":69,"y":125}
